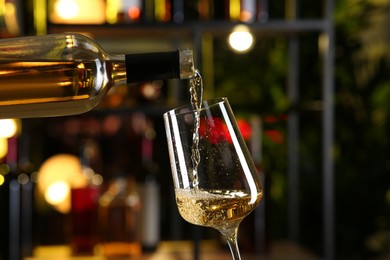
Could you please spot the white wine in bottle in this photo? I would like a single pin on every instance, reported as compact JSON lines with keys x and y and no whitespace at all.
{"x":66,"y":74}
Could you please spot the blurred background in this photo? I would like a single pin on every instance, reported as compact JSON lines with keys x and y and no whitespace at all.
{"x":308,"y":82}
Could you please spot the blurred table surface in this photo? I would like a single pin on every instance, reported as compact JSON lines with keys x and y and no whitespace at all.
{"x":181,"y":250}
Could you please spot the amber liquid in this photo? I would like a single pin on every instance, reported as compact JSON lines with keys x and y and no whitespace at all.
{"x":217,"y":209}
{"x":56,"y":87}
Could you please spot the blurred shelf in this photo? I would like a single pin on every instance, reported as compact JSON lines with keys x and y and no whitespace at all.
{"x":182,"y":250}
{"x":188,"y":29}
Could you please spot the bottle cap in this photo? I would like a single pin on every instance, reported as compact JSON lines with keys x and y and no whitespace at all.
{"x":187,"y":69}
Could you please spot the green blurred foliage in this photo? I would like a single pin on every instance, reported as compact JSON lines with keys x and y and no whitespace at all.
{"x":362,"y":128}
{"x":256,"y":83}
{"x":256,"y":80}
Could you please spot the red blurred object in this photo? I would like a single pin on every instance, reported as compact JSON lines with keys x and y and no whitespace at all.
{"x":245,"y":129}
{"x":275,"y":135}
{"x":214,"y":129}
{"x":283,"y":117}
{"x":84,"y":219}
{"x":270,"y":119}
{"x":275,"y":119}
{"x":134,"y":13}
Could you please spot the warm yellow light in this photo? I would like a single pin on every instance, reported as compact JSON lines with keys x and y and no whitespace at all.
{"x":241,"y":39}
{"x":160,"y":11}
{"x":57,"y":193}
{"x":2,"y":7}
{"x":61,"y":168}
{"x":40,"y":16}
{"x":234,"y":9}
{"x":97,"y":179}
{"x":67,"y":9}
{"x":112,"y":10}
{"x":78,"y":12}
{"x":3,"y":147}
{"x":8,"y":128}
{"x":1,"y":179}
{"x":10,"y":18}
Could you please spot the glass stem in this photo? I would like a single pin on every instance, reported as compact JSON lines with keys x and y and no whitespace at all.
{"x":233,"y":244}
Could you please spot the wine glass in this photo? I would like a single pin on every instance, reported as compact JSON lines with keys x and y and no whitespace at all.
{"x":215,"y":180}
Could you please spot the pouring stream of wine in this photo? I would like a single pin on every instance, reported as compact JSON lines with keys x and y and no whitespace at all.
{"x":196,"y":91}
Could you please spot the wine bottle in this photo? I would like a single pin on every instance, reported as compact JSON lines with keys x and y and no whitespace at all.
{"x":118,"y":213}
{"x":67,"y":74}
{"x":149,"y":190}
{"x":84,"y":203}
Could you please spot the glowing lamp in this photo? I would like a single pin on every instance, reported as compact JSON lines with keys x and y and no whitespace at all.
{"x":57,"y":192}
{"x":241,"y":39}
{"x":57,"y":176}
{"x":67,"y":9}
{"x":78,"y":11}
{"x":8,"y":128}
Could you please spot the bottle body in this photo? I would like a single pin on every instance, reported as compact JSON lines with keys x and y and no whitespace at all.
{"x":85,"y":201}
{"x":50,"y":88}
{"x":51,"y":75}
{"x":118,"y":214}
{"x":149,"y":190}
{"x":61,"y":74}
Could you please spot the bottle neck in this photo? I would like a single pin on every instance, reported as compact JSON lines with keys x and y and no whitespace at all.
{"x":118,"y":65}
{"x":159,"y":66}
{"x":141,"y":67}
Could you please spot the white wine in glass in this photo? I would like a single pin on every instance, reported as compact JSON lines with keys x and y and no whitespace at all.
{"x":215,"y":179}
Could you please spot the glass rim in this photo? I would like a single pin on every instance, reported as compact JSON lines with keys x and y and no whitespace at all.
{"x":187,"y":109}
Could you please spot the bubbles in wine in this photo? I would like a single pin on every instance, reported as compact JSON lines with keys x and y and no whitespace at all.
{"x":215,"y":208}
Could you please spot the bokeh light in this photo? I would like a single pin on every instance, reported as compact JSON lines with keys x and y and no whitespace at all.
{"x":3,"y":147}
{"x":67,"y":9}
{"x":241,"y":39}
{"x":8,"y":128}
{"x":54,"y":172}
{"x":57,"y":192}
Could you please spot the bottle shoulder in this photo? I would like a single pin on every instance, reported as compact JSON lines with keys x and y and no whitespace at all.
{"x":65,"y":46}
